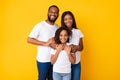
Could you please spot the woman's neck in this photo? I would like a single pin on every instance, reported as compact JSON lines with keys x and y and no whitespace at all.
{"x":70,"y":28}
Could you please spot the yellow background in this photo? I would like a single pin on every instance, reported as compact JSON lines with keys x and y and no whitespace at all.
{"x":98,"y":20}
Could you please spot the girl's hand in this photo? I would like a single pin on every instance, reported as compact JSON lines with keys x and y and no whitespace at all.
{"x":67,"y":49}
{"x":59,"y":47}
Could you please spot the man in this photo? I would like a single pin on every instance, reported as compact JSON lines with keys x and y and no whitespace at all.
{"x":41,"y":35}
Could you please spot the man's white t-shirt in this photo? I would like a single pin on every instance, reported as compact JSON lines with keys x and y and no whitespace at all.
{"x":62,"y":64}
{"x":43,"y":32}
{"x":74,"y":39}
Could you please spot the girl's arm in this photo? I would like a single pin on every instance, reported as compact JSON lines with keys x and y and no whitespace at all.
{"x":55,"y":56}
{"x":71,"y":57}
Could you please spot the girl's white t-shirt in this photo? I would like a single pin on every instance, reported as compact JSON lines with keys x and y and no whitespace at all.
{"x":62,"y":64}
{"x":74,"y":39}
{"x":43,"y":32}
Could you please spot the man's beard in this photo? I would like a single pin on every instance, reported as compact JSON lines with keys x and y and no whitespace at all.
{"x":52,"y":20}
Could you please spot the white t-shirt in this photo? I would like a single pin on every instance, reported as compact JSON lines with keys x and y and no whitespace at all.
{"x":74,"y":39}
{"x":43,"y":32}
{"x":62,"y":64}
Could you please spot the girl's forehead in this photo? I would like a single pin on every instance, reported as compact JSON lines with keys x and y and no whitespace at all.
{"x":63,"y":31}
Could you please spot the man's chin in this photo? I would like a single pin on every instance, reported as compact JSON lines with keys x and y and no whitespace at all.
{"x":52,"y":21}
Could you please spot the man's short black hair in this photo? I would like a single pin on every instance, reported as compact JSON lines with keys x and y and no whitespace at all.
{"x":53,"y":6}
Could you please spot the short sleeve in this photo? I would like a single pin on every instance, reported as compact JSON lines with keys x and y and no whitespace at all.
{"x":35,"y":32}
{"x":52,"y":51}
{"x":80,"y":34}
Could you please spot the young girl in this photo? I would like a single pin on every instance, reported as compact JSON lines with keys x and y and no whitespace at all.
{"x":61,"y":57}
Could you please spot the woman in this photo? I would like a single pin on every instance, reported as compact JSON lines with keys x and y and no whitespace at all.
{"x":68,"y":20}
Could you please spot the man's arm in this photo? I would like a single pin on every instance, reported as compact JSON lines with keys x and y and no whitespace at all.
{"x":36,"y":42}
{"x":53,"y":43}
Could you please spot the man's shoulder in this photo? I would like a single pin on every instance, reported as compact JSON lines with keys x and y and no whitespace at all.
{"x":39,"y":24}
{"x":56,"y":25}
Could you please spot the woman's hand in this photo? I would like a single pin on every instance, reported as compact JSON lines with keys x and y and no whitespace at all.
{"x":74,"y":48}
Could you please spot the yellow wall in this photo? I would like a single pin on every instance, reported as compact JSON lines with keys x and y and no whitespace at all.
{"x":97,"y":19}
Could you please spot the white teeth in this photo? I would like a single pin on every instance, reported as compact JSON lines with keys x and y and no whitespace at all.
{"x":68,"y":24}
{"x":52,"y":16}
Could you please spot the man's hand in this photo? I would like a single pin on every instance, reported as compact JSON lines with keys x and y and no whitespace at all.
{"x":49,"y":42}
{"x":53,"y":43}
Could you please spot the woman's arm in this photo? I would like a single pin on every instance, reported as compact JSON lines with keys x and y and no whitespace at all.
{"x":77,"y":47}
